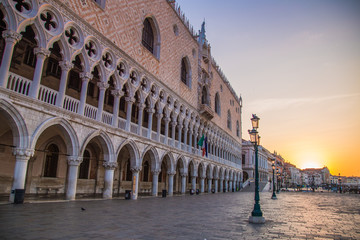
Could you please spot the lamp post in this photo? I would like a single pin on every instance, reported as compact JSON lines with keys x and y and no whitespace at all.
{"x":273,"y":168}
{"x":256,"y":214}
{"x":277,"y":180}
{"x":340,"y":183}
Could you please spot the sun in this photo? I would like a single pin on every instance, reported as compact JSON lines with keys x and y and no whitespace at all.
{"x":311,"y":160}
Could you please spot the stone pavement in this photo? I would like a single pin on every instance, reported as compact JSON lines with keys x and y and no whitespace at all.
{"x":294,"y":215}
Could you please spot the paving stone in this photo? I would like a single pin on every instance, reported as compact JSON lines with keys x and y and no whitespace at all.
{"x":208,"y":216}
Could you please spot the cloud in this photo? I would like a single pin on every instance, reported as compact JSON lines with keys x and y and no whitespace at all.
{"x":271,"y":104}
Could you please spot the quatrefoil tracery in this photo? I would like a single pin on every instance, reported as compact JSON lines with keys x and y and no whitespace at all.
{"x":71,"y":35}
{"x":121,"y":69}
{"x":107,"y":60}
{"x":48,"y":19}
{"x":91,"y":51}
{"x":21,"y":5}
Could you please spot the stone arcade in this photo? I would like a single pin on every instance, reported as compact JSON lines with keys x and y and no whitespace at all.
{"x":99,"y":97}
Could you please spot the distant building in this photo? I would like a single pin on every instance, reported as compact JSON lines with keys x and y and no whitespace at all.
{"x":248,"y":161}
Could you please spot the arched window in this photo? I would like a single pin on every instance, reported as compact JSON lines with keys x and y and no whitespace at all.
{"x":204,"y":96}
{"x":185,"y":72}
{"x":84,"y":166}
{"x":229,"y":120}
{"x":151,"y":36}
{"x":217,"y":104}
{"x":148,"y":36}
{"x":51,"y":161}
{"x":237,"y":128}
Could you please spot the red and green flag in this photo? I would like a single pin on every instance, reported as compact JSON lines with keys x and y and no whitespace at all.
{"x":203,"y":143}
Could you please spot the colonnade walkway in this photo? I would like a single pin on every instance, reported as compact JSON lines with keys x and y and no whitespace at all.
{"x":295,"y":215}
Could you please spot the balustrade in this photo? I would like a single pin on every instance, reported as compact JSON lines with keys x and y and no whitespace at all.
{"x":21,"y":85}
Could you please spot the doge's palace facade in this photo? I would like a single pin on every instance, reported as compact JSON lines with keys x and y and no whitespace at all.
{"x":100,"y":97}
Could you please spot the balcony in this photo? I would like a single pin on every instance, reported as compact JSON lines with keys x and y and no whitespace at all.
{"x":206,"y":111}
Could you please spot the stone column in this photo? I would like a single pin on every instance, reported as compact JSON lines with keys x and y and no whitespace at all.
{"x":216,"y":181}
{"x":226,"y":184}
{"x":129,"y":102}
{"x":167,"y":120}
{"x":185,"y":137}
{"x":141,"y":108}
{"x":109,"y":179}
{"x":173,"y":124}
{"x":65,"y":68}
{"x":11,"y":38}
{"x":155,"y":180}
{"x":202,"y":184}
{"x":193,"y":182}
{"x":117,"y":93}
{"x":102,"y":86}
{"x":183,"y":183}
{"x":158,"y":126}
{"x":41,"y":54}
{"x":195,"y":138}
{"x":72,"y":176}
{"x":230,"y":186}
{"x":190,"y":140}
{"x":22,"y":157}
{"x":135,"y":181}
{"x":150,"y":112}
{"x":221,"y":183}
{"x":171,"y":182}
{"x":85,"y":77}
{"x":209,"y":185}
{"x":180,"y":133}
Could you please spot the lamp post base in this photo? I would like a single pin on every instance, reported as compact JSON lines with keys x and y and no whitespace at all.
{"x":255,"y":219}
{"x":274,"y":197}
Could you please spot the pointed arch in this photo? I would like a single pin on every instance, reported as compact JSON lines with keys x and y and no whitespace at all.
{"x":17,"y":124}
{"x":170,"y":162}
{"x":154,"y":157}
{"x":185,"y":72}
{"x":133,"y":150}
{"x":71,"y":139}
{"x":151,"y":36}
{"x":105,"y":142}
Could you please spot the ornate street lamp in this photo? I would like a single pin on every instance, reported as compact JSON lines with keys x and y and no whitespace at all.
{"x":273,"y":168}
{"x":278,"y":181}
{"x":340,"y":183}
{"x":256,"y":214}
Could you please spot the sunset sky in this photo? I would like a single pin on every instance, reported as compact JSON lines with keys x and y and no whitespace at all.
{"x":296,"y":65}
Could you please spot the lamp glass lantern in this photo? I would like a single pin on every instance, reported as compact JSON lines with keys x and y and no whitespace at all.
{"x":255,"y":121}
{"x":254,"y":136}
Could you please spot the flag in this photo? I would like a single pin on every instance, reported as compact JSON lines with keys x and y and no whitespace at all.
{"x":203,"y":143}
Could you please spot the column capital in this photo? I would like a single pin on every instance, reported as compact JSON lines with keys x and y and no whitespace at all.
{"x":24,"y":152}
{"x":102,"y":85}
{"x":11,"y":36}
{"x":129,"y":99}
{"x":86,"y":76}
{"x":135,"y":169}
{"x":184,"y":174}
{"x":167,"y":119}
{"x":117,"y":93}
{"x":159,"y":115}
{"x":110,"y":165}
{"x":66,"y":65}
{"x":150,"y":110}
{"x":141,"y":106}
{"x":155,"y":172}
{"x":74,"y":160}
{"x":171,"y":172}
{"x":42,"y":52}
